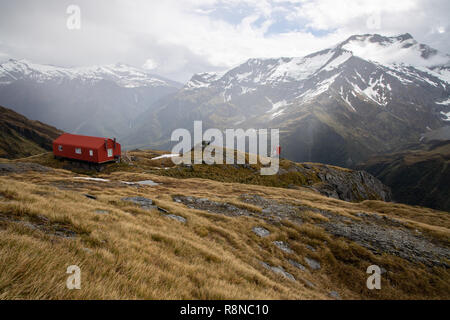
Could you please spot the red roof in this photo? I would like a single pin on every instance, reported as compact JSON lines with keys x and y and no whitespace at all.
{"x":80,"y":141}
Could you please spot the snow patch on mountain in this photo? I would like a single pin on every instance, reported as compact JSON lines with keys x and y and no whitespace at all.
{"x":394,"y":50}
{"x":300,"y":68}
{"x":445,"y":103}
{"x":446,"y":115}
{"x":335,"y":63}
{"x":320,"y":88}
{"x":123,"y":75}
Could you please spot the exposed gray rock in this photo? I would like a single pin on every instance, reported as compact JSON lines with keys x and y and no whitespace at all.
{"x":272,"y":210}
{"x":148,"y":183}
{"x":261,"y":232}
{"x":144,"y":203}
{"x":177,"y":218}
{"x":335,"y":295}
{"x":297,"y":265}
{"x":313,"y":264}
{"x":213,"y":206}
{"x":311,"y":248}
{"x":278,"y":270}
{"x":351,"y":185}
{"x":377,"y":234}
{"x":283,"y":246}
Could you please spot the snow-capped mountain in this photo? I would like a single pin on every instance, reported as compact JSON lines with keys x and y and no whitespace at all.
{"x":99,"y":100}
{"x":365,"y":95}
{"x":123,"y":75}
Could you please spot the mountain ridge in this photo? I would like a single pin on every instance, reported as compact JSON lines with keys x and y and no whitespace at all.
{"x":333,"y":94}
{"x":99,"y":100}
{"x":20,"y":137}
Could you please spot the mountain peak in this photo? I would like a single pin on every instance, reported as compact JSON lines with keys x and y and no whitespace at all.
{"x":401,"y":50}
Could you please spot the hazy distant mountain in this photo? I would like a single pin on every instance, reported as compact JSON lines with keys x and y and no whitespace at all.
{"x":368,"y":94}
{"x":99,"y":100}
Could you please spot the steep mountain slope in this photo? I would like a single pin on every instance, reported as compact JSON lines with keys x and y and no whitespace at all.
{"x":369,"y":94}
{"x":100,"y":100}
{"x":419,"y":175}
{"x":20,"y":137}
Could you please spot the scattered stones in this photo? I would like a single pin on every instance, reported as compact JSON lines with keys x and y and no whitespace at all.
{"x":144,"y":203}
{"x":272,"y":210}
{"x":213,"y":206}
{"x":90,"y":196}
{"x":283,"y":246}
{"x":278,"y":270}
{"x":376,"y":234}
{"x":335,"y":295}
{"x":261,"y":232}
{"x":175,"y":217}
{"x":313,"y":264}
{"x":297,"y":265}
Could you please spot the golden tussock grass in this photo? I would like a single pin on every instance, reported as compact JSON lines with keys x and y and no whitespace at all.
{"x":131,"y":253}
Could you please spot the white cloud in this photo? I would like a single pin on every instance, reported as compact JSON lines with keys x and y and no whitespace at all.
{"x":179,"y":37}
{"x":150,"y":64}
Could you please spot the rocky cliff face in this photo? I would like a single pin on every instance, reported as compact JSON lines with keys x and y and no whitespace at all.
{"x":351,"y":186}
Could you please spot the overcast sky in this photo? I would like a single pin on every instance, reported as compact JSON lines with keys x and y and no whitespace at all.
{"x":176,"y":38}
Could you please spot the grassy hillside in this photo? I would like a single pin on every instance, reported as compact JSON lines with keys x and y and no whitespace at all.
{"x":418,"y":176}
{"x":197,"y":240}
{"x":20,"y":137}
{"x":336,"y":182}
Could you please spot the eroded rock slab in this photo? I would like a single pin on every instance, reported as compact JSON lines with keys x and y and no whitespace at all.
{"x":381,"y":234}
{"x":144,"y":203}
{"x":283,"y":246}
{"x":313,"y":264}
{"x":175,"y":217}
{"x":297,"y":265}
{"x":260,"y":231}
{"x":213,"y":206}
{"x":278,"y":270}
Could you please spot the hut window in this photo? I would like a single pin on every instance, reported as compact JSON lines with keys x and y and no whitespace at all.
{"x":60,"y":148}
{"x":110,"y":152}
{"x":91,"y":153}
{"x":78,"y":150}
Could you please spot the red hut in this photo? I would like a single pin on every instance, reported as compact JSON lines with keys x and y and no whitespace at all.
{"x":84,"y":148}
